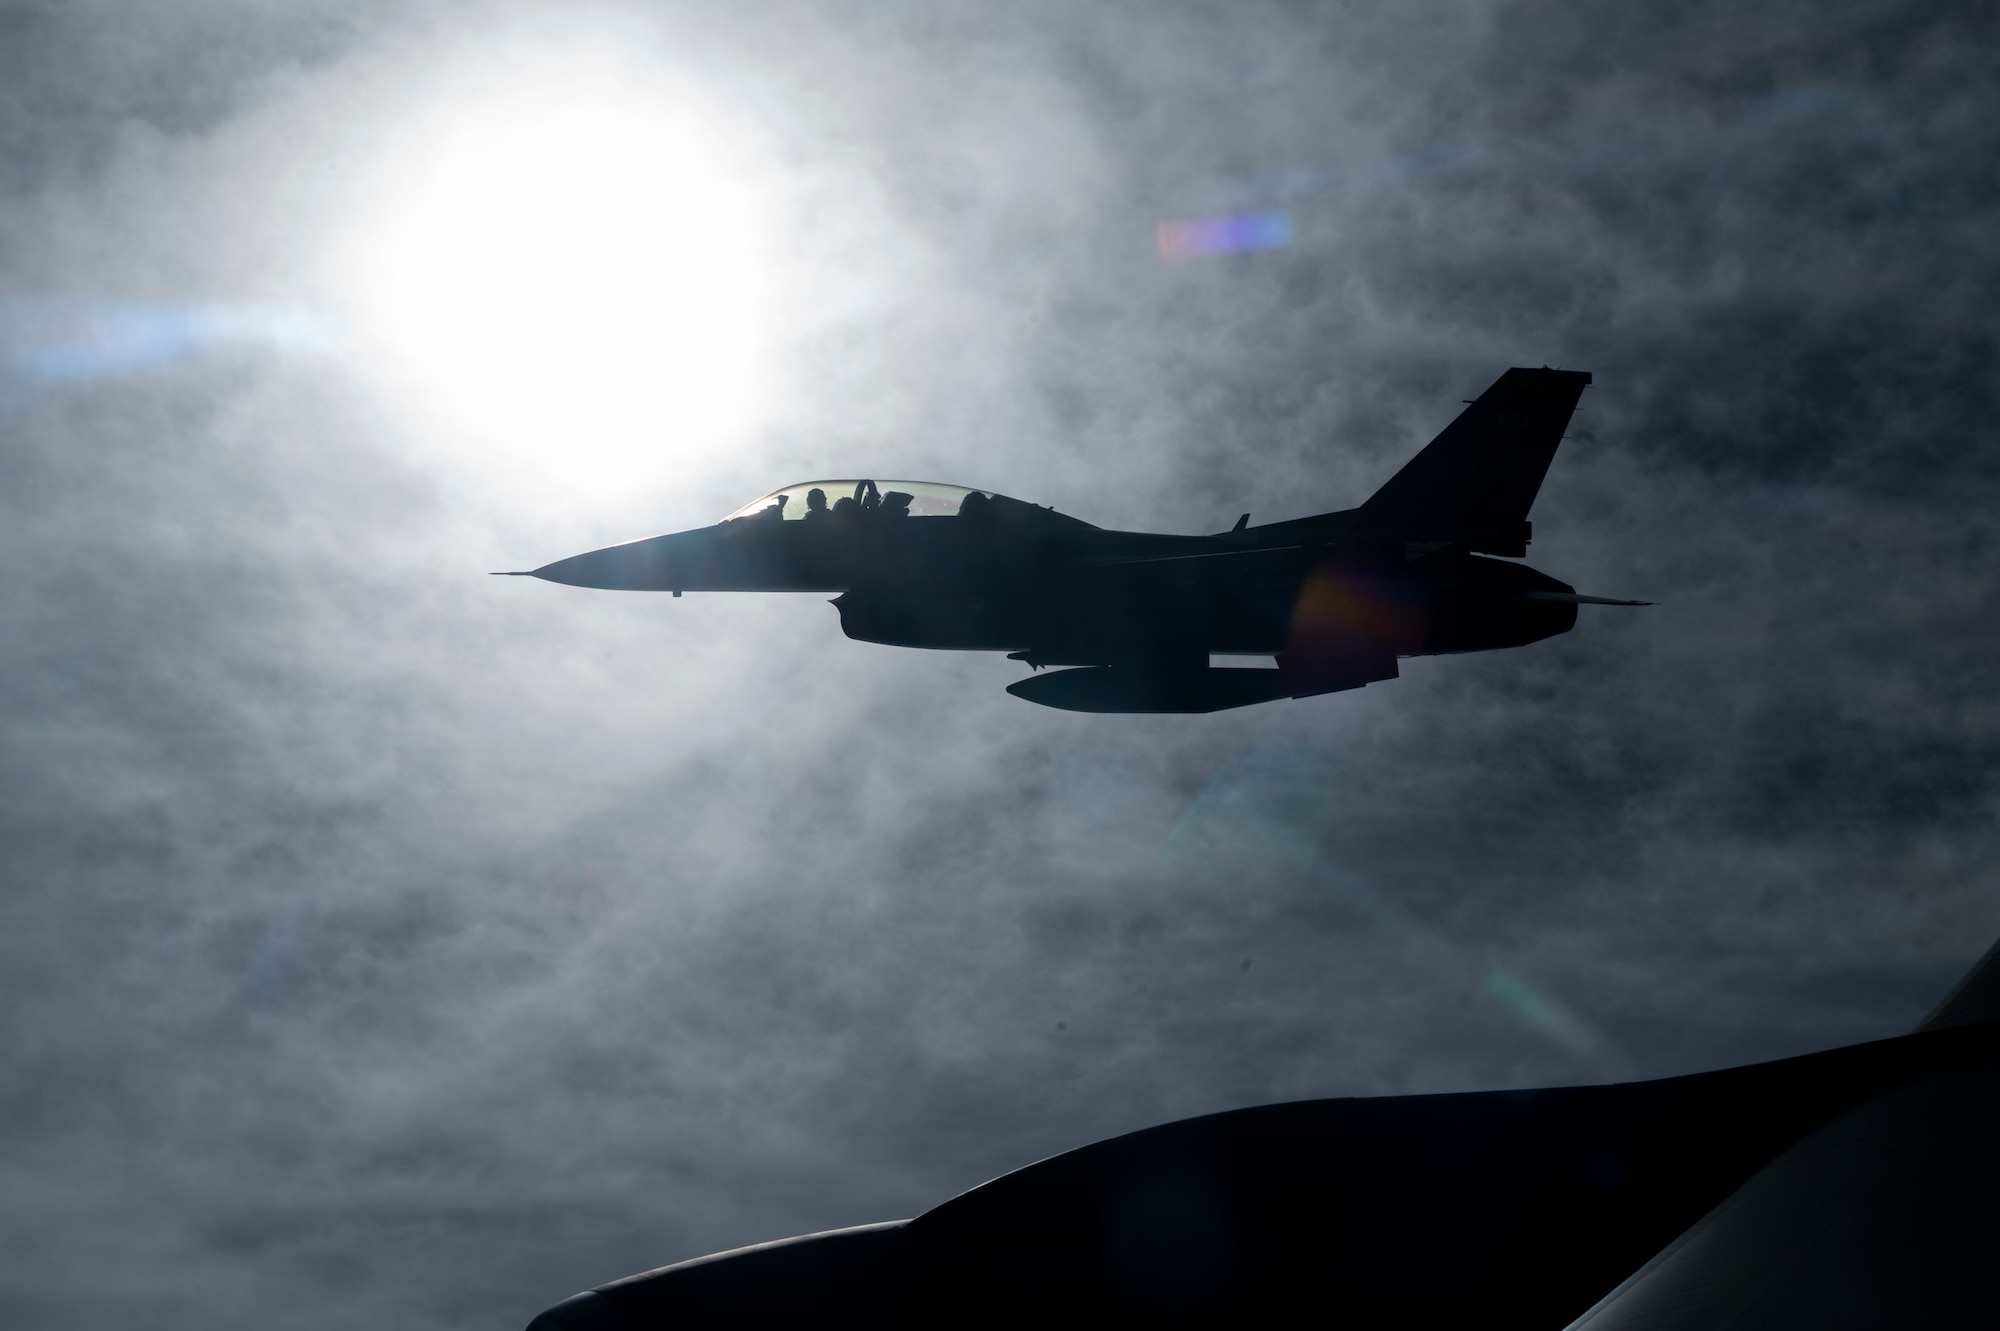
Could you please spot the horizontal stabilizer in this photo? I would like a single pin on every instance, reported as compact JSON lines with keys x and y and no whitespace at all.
{"x":1574,"y":598}
{"x":1481,"y":475}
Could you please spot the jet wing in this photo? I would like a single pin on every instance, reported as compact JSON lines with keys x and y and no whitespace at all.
{"x":1250,"y":562}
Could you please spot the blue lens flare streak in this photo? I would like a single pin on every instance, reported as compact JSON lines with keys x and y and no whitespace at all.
{"x":67,"y":341}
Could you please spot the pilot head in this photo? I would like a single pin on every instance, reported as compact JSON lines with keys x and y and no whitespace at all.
{"x":815,"y":501}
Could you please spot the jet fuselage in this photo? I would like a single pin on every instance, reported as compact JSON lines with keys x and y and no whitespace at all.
{"x":1423,"y":568}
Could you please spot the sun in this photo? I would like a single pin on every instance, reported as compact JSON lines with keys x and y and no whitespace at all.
{"x":572,"y":273}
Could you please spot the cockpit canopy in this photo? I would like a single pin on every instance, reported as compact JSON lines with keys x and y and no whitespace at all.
{"x":922,"y":499}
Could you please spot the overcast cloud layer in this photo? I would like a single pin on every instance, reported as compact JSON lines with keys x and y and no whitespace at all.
{"x":384,"y":944}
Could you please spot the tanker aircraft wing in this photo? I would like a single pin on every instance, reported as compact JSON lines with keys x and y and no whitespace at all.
{"x":1847,"y":1189}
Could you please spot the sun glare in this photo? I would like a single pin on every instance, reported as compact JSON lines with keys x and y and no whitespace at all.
{"x":574,"y":278}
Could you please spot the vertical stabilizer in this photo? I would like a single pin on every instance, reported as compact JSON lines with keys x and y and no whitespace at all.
{"x":1482,"y":473}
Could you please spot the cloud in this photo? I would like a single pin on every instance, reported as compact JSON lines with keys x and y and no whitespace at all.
{"x":384,"y":941}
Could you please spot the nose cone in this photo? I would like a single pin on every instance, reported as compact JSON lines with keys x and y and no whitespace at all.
{"x":661,"y":564}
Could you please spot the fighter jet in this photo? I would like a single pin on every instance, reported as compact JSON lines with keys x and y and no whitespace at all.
{"x":1422,"y":568}
{"x":1847,"y":1189}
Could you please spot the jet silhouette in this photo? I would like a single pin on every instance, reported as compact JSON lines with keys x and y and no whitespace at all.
{"x":1336,"y":599}
{"x":1847,"y":1189}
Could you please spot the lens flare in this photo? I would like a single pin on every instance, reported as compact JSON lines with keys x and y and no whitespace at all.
{"x":1338,"y":610}
{"x":1238,"y":234}
{"x":572,"y":274}
{"x":53,"y":341}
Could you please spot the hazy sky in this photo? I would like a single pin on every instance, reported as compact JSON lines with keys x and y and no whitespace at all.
{"x":386,"y":944}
